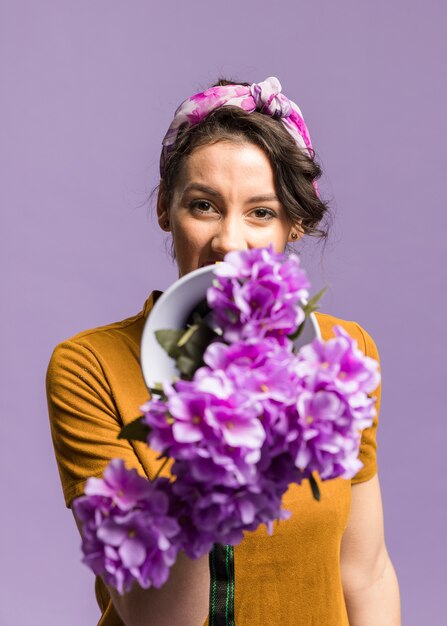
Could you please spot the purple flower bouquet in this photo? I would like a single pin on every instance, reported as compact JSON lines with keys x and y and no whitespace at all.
{"x":248,"y":416}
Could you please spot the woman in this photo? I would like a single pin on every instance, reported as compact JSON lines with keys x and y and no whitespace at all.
{"x":237,"y":172}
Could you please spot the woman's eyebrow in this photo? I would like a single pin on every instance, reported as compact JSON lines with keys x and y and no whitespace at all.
{"x":267,"y":197}
{"x":204,"y":189}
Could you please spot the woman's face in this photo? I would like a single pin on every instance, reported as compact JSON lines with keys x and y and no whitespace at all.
{"x":225,"y":199}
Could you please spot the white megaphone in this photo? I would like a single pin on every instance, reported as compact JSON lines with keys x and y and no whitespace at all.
{"x":172,"y":311}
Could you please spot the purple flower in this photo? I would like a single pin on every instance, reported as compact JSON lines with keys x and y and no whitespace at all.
{"x":257,"y":293}
{"x":209,"y":423}
{"x":265,"y":372}
{"x":221,"y":515}
{"x":260,"y":368}
{"x":341,"y":361}
{"x":128,"y":532}
{"x":122,"y":487}
{"x":333,"y":405}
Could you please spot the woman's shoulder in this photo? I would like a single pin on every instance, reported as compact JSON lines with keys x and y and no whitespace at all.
{"x":326,"y":322}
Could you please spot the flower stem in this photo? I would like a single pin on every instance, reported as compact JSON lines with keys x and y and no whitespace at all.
{"x":314,"y":487}
{"x":160,"y":468}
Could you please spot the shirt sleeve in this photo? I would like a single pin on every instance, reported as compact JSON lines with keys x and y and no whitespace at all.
{"x":368,"y":445}
{"x":84,"y":419}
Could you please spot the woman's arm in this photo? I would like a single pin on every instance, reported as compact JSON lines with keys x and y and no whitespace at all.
{"x":369,"y":581}
{"x":87,"y":380}
{"x":183,"y":599}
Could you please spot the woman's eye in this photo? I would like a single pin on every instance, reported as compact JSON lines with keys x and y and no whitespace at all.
{"x":264,"y":214}
{"x":203,"y":206}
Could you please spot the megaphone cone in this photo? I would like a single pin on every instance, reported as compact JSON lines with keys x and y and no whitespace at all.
{"x":172,"y":311}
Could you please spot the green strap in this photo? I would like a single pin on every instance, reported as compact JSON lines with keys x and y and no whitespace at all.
{"x":221,"y":586}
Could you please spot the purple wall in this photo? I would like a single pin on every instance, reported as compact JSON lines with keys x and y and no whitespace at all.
{"x":88,"y":89}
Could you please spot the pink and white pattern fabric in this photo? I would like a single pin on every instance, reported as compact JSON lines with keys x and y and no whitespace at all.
{"x":264,"y":97}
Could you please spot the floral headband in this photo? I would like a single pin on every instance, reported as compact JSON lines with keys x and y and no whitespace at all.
{"x":265,"y":97}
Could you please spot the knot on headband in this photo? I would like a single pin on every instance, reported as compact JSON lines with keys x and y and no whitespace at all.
{"x":264,"y":97}
{"x":269,"y":99}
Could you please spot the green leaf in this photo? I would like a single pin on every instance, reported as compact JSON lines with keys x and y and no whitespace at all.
{"x":194,"y":351}
{"x":136,"y":431}
{"x":308,"y":308}
{"x":186,"y":347}
{"x":168,"y":339}
{"x":190,"y":356}
{"x":314,"y":487}
{"x":298,"y":331}
{"x":202,"y":335}
{"x":186,"y":366}
{"x":311,"y":306}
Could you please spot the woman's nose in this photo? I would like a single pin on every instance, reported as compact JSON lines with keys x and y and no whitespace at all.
{"x":229,"y":236}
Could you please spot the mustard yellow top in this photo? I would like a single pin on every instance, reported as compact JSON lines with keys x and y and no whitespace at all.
{"x":95,"y":385}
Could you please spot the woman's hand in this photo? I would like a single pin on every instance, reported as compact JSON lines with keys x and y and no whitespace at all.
{"x":369,"y":581}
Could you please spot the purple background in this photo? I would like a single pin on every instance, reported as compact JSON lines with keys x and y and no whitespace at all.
{"x":88,"y":90}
